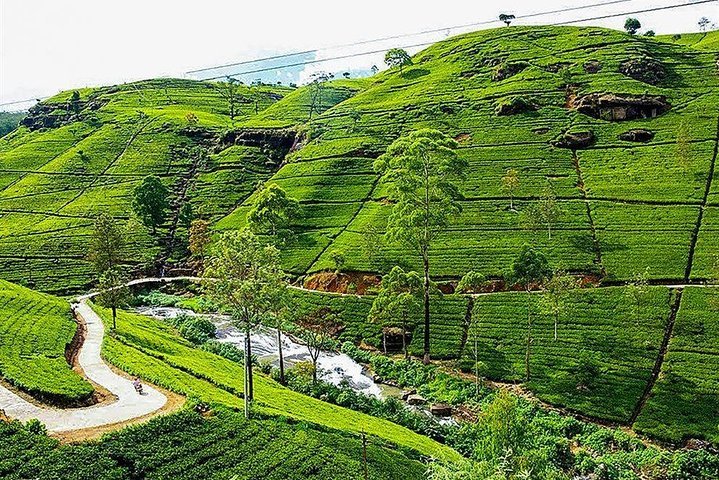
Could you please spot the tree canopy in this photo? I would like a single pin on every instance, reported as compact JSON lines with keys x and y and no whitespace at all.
{"x":273,"y":212}
{"x":150,"y":202}
{"x":397,"y":57}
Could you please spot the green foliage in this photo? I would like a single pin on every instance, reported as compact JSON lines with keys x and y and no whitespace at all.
{"x":197,"y":330}
{"x":397,"y":57}
{"x":530,"y":267}
{"x":186,"y":446}
{"x":150,"y":202}
{"x":631,"y":25}
{"x":471,"y":282}
{"x":113,"y":292}
{"x":273,"y":212}
{"x":34,"y":329}
{"x":107,"y":244}
{"x":9,"y":121}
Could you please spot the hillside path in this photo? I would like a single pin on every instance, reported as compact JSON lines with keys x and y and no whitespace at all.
{"x":129,"y":404}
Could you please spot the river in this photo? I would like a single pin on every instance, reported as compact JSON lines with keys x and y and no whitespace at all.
{"x":333,"y":367}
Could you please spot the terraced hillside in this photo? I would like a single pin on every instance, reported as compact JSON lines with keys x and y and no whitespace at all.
{"x":631,"y":199}
{"x":630,"y":202}
{"x":71,"y":160}
{"x":35,"y":333}
{"x":622,"y":129}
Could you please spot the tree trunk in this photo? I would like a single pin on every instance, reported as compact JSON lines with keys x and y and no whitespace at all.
{"x":425,"y":261}
{"x":114,"y":317}
{"x":529,"y":335}
{"x":314,"y":371}
{"x":282,"y":360}
{"x":246,"y":388}
{"x":404,"y":335}
{"x":476,"y":367}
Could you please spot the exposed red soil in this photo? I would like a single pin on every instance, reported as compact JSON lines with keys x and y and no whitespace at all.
{"x":350,"y":282}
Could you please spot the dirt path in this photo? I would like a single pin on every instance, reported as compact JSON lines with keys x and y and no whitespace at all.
{"x":128,"y":406}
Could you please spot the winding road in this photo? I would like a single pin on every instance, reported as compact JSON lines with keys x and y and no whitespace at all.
{"x":127,"y":406}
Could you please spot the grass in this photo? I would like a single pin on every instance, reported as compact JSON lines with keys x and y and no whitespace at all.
{"x":34,"y":331}
{"x":142,"y":346}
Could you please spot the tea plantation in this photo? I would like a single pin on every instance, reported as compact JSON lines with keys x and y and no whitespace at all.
{"x":187,"y":446}
{"x":142,"y":346}
{"x":621,"y":130}
{"x":34,"y":331}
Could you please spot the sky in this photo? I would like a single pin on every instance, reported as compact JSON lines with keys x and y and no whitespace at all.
{"x":47,"y":46}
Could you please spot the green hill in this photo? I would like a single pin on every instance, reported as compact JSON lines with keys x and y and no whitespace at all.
{"x":623,"y":129}
{"x":629,"y":205}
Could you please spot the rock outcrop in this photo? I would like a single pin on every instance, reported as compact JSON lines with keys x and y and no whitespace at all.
{"x":644,"y":69}
{"x":575,"y":140}
{"x":637,"y":135}
{"x":617,"y":108}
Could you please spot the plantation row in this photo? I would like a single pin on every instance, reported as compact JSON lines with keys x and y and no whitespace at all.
{"x":607,"y":343}
{"x":188,"y":446}
{"x":34,"y":331}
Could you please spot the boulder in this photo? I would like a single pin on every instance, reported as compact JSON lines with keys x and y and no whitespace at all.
{"x":405,"y":394}
{"x":576,"y":140}
{"x":441,"y":410}
{"x":416,"y":400}
{"x":617,"y":108}
{"x":637,"y":135}
{"x":514,"y":106}
{"x":644,"y":69}
{"x":508,"y":69}
{"x":592,"y":66}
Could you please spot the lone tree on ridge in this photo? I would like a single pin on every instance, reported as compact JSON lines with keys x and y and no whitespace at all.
{"x":397,"y":57}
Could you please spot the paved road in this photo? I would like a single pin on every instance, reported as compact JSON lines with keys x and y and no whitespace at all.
{"x":129,"y":403}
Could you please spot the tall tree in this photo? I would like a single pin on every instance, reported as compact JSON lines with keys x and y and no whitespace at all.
{"x":150,"y":202}
{"x":230,"y":89}
{"x":317,"y":330}
{"x":399,"y":299}
{"x":106,"y":244}
{"x":558,"y":287}
{"x":397,"y":57}
{"x":317,"y":88}
{"x":422,"y":169}
{"x":244,"y":277}
{"x":272,"y":213}
{"x":632,"y":25}
{"x":510,"y":184}
{"x":113,"y":291}
{"x":529,"y":270}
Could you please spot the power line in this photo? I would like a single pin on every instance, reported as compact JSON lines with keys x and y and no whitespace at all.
{"x":404,"y":35}
{"x":647,"y":10}
{"x":360,"y":54}
{"x":341,"y":57}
